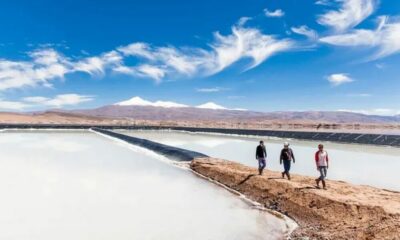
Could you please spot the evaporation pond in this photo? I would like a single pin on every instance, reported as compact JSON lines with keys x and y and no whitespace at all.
{"x":377,"y":166}
{"x":80,"y":185}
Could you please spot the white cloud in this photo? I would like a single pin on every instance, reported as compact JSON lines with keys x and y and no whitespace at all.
{"x":59,"y":100}
{"x":359,"y":95}
{"x":354,"y":38}
{"x":211,"y":90}
{"x":376,"y":111}
{"x":46,"y":65}
{"x":13,"y":105}
{"x":236,"y":97}
{"x":385,"y":38}
{"x":91,"y":65}
{"x":138,"y":49}
{"x":98,"y":64}
{"x":36,"y":99}
{"x":47,"y":57}
{"x":274,"y":14}
{"x":339,"y":79}
{"x":68,"y":99}
{"x":380,"y":65}
{"x":152,"y":71}
{"x":243,"y":43}
{"x":243,"y":20}
{"x":145,"y":70}
{"x":186,"y":64}
{"x":172,"y":58}
{"x":323,"y":2}
{"x":306,"y":31}
{"x":350,"y":14}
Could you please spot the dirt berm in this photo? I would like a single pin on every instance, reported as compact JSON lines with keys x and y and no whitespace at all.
{"x":344,"y":211}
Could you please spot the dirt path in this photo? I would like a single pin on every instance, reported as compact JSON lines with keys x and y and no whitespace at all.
{"x":344,"y":211}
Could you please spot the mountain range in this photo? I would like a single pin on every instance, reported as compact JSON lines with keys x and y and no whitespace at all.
{"x":140,"y":109}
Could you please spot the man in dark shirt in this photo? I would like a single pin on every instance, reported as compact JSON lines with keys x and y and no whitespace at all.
{"x":261,"y":155}
{"x":286,"y":157}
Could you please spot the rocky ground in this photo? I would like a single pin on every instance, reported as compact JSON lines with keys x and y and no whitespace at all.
{"x":344,"y":211}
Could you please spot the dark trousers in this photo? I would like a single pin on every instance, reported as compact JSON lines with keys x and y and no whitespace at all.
{"x":286,"y":165}
{"x":261,"y":164}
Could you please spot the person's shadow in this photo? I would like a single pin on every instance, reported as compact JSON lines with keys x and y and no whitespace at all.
{"x":271,"y":178}
{"x":246,"y":179}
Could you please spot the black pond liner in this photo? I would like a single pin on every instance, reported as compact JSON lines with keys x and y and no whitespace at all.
{"x":165,"y":150}
{"x":372,"y":139}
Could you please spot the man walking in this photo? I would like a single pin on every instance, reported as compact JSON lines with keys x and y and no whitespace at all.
{"x":286,"y":157}
{"x":322,"y":162}
{"x":261,"y":155}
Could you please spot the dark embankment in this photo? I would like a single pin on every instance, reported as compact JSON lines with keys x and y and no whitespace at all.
{"x":344,"y":211}
{"x":165,"y":150}
{"x":372,"y":139}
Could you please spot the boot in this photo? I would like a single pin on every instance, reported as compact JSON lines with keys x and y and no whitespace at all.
{"x":288,"y":176}
{"x":317,"y":182}
{"x":323,"y":184}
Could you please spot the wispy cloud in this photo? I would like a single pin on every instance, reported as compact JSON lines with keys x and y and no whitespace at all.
{"x":375,"y":111}
{"x":339,"y":79}
{"x":380,"y":65}
{"x":236,"y":97}
{"x":306,"y":31}
{"x":47,"y":65}
{"x":350,"y":14}
{"x":274,"y":14}
{"x":363,"y":95}
{"x":323,"y":2}
{"x":13,"y":105}
{"x":242,"y":43}
{"x":385,"y":38}
{"x":58,"y":101}
{"x":39,"y":101}
{"x":211,"y":90}
{"x":97,"y":64}
{"x":184,"y":61}
{"x":245,"y":43}
{"x":243,"y":20}
{"x":154,"y":72}
{"x":36,"y":99}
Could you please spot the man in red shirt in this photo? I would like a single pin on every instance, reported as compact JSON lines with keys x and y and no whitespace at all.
{"x":322,"y":162}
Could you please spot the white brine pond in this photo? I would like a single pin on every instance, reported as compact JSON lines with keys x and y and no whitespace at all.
{"x":376,"y":166}
{"x":80,"y":185}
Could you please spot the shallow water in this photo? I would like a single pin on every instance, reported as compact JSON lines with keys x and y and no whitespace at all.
{"x":79,"y":185}
{"x":360,"y":164}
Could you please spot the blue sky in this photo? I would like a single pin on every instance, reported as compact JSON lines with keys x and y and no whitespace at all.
{"x":271,"y":55}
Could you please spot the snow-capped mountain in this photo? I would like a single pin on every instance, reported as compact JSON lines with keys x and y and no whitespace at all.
{"x":138,"y":101}
{"x":135,"y":101}
{"x":211,"y":105}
